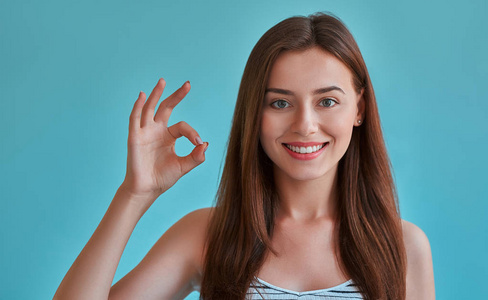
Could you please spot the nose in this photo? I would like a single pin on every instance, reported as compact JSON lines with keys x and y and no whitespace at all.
{"x":305,"y":122}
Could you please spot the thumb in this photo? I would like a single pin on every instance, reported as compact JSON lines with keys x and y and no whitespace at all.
{"x":196,"y":157}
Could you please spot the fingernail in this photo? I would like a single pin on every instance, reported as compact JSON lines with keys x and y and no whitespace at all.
{"x":199,"y":140}
{"x":205,"y":147}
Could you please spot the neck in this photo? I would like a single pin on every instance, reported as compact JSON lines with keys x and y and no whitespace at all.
{"x":307,"y":200}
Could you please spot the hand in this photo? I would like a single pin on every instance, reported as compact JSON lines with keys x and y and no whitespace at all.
{"x":152,"y":164}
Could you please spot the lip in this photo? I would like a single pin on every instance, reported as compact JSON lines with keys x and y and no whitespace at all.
{"x":305,"y":156}
{"x":301,"y":144}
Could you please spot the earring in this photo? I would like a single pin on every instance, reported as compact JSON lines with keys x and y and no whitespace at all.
{"x":359,"y":121}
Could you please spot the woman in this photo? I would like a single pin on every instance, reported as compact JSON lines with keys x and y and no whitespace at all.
{"x":306,"y":206}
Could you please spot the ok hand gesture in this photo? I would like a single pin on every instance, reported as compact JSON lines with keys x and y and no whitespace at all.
{"x":152,"y":164}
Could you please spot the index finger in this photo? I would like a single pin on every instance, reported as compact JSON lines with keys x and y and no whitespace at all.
{"x":166,"y":107}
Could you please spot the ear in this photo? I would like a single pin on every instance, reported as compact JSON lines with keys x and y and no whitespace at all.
{"x":361,"y":105}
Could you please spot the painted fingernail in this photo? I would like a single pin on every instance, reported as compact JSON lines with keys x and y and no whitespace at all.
{"x":205,"y":147}
{"x":199,"y":140}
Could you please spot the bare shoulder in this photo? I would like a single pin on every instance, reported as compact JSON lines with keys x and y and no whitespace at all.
{"x":197,"y":219}
{"x":190,"y":232}
{"x":415,"y":239}
{"x":191,"y":229}
{"x":420,"y":273}
{"x":172,"y":268}
{"x":188,"y":236}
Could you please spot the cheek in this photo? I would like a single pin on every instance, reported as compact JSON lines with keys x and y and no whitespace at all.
{"x":271,"y":127}
{"x":340,"y":126}
{"x":264,"y":132}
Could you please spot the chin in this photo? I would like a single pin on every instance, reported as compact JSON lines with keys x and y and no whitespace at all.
{"x":303,"y":175}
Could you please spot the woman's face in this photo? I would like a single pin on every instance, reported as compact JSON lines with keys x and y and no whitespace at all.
{"x":310,"y":109}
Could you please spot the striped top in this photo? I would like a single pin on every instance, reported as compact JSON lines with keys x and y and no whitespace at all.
{"x":260,"y":289}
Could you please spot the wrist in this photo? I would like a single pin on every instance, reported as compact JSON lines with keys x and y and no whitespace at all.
{"x":138,"y":203}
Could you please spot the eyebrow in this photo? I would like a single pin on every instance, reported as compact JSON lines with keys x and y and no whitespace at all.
{"x":316,"y":92}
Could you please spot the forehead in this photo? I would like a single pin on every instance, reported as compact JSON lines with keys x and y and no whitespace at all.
{"x":303,"y":71}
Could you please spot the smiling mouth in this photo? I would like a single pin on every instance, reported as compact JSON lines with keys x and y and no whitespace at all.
{"x":305,"y":150}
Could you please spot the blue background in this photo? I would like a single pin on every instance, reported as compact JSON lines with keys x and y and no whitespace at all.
{"x":70,"y":72}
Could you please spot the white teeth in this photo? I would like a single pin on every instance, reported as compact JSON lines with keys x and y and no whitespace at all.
{"x":303,"y":150}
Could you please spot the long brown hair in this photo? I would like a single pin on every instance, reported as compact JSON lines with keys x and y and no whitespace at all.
{"x":369,"y":226}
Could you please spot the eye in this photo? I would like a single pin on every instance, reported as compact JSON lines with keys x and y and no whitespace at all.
{"x":328,"y":102}
{"x":280,"y":104}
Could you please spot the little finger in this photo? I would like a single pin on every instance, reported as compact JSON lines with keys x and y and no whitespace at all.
{"x":135,"y":115}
